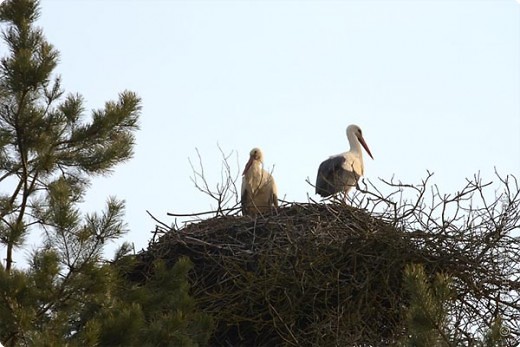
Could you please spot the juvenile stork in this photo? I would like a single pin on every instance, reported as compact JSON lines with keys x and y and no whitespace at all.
{"x":341,"y":172}
{"x":259,"y":192}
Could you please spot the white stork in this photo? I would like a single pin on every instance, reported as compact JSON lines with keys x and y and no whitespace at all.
{"x":259,"y":192}
{"x":341,"y":172}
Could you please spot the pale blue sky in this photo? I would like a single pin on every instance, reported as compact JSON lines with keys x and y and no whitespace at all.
{"x":435,"y":85}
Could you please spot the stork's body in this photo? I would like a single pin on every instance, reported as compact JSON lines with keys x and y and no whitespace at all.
{"x":259,"y":192}
{"x":341,"y":172}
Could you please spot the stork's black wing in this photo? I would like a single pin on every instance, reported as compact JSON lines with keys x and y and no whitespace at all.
{"x":326,"y":182}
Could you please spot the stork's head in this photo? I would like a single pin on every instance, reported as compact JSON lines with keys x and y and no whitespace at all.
{"x":255,"y":154}
{"x":354,"y":131}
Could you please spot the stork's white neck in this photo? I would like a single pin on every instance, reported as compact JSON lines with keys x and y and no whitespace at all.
{"x":355,"y":145}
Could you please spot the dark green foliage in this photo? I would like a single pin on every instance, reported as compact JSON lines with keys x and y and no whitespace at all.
{"x":158,"y":313}
{"x":426,"y":317}
{"x":49,"y":150}
{"x":426,"y":314}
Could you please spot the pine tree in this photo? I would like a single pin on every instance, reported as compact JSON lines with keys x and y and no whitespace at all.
{"x":158,"y":313}
{"x":48,"y":154}
{"x":68,"y":295}
{"x":427,"y":313}
{"x":47,"y":150}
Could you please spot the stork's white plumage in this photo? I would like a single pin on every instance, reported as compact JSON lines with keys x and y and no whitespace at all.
{"x":341,"y":172}
{"x":259,"y":192}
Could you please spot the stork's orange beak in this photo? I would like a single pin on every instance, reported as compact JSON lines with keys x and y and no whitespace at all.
{"x":365,"y":146}
{"x":248,"y":165}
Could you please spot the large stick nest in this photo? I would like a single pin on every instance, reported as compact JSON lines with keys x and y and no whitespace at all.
{"x":315,"y":275}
